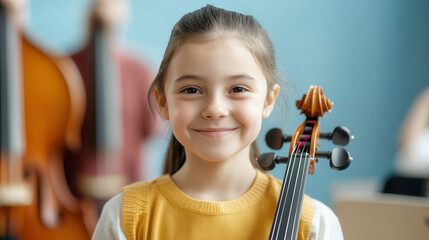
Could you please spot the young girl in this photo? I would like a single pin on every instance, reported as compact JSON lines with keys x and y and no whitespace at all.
{"x":216,"y":83}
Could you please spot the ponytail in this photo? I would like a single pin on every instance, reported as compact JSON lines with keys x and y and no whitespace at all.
{"x":175,"y":157}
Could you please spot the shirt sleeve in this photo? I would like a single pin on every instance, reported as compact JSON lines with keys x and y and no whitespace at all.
{"x":109,"y":225}
{"x":326,"y":225}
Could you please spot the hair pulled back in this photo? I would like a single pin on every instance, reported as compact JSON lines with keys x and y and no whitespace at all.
{"x":210,"y":23}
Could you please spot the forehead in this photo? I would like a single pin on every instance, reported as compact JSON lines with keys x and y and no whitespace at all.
{"x":216,"y":58}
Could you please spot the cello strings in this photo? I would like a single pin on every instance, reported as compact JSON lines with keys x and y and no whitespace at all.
{"x":276,"y":228}
{"x":291,"y":208}
{"x":298,"y":180}
{"x":288,"y":180}
{"x":302,"y":179}
{"x":301,"y":191}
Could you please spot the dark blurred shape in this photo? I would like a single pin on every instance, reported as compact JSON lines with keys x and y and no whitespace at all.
{"x":411,"y":186}
{"x":411,"y":170}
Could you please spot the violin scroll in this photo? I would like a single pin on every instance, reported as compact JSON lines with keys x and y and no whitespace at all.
{"x":314,"y":103}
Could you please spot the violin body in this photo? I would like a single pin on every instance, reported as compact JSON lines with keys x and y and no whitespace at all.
{"x":302,"y":157}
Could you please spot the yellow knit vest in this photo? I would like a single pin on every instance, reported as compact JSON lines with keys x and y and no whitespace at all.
{"x":158,"y":210}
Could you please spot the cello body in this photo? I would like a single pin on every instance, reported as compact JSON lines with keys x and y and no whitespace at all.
{"x":50,"y":99}
{"x":53,"y":107}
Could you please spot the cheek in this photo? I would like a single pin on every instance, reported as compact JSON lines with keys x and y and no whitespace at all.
{"x":250,"y":114}
{"x":180,"y":114}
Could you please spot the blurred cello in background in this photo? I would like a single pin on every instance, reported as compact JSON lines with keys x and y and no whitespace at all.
{"x":42,"y":101}
{"x":118,"y":119}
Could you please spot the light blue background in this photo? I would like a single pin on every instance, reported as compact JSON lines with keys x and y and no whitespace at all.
{"x":370,"y":56}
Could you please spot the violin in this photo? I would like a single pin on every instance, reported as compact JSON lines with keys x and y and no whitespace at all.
{"x":303,"y":155}
{"x":41,"y":113}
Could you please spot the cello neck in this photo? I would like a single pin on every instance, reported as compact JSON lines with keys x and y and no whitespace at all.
{"x":10,"y":89}
{"x":106,"y":92}
{"x":288,"y":212}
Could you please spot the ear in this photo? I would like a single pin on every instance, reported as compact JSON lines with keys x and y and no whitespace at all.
{"x":161,"y":102}
{"x":270,"y":101}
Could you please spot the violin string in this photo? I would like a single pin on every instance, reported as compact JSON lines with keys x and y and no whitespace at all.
{"x":290,"y":210}
{"x":276,"y":227}
{"x":300,"y":196}
{"x":293,"y":210}
{"x":301,"y":180}
{"x":290,"y":175}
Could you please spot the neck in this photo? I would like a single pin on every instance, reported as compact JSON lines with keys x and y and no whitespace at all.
{"x":216,"y":181}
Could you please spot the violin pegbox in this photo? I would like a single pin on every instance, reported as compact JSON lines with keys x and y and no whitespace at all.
{"x":314,"y":104}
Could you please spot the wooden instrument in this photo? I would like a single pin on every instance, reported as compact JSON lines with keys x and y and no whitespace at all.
{"x":15,"y":193}
{"x":303,"y":155}
{"x":51,"y":106}
{"x":117,"y":118}
{"x":99,"y":159}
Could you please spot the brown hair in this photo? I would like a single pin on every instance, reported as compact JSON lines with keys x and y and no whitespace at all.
{"x":209,"y":23}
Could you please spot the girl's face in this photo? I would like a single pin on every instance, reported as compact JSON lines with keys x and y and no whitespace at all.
{"x":215,"y":98}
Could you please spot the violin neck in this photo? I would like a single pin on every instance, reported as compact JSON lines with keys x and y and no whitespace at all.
{"x":289,"y":206}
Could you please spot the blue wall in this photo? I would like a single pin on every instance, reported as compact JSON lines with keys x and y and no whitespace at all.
{"x":370,"y":57}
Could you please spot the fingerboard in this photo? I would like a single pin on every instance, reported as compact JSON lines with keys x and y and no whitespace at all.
{"x":11,"y":119}
{"x":106,"y":91}
{"x":288,"y":212}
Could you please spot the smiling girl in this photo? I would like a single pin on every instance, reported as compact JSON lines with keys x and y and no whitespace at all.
{"x":216,"y":83}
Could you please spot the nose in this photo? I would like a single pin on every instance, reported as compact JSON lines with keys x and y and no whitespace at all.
{"x":216,"y":107}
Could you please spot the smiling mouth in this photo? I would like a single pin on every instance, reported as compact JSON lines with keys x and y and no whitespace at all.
{"x":215,"y":132}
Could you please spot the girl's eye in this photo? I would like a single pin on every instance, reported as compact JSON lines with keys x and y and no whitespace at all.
{"x":239,"y":89}
{"x":190,"y":90}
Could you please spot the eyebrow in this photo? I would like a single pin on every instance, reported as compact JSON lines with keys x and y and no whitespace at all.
{"x":187,"y":76}
{"x":242,"y":76}
{"x":195,"y":77}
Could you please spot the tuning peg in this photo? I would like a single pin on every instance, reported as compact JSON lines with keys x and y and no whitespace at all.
{"x":339,"y":158}
{"x":275,"y":138}
{"x":267,"y":161}
{"x":340,"y":136}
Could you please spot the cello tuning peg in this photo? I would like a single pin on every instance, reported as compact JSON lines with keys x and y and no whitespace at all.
{"x":275,"y":138}
{"x":267,"y":161}
{"x":340,"y":136}
{"x":339,"y":158}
